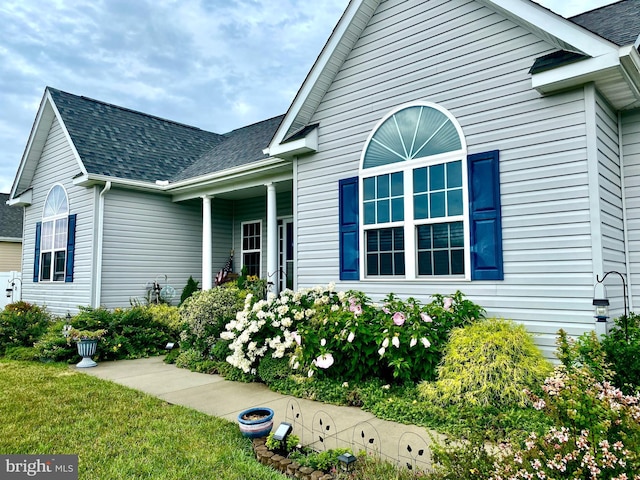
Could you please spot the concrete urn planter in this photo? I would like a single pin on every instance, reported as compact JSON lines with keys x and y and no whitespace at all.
{"x":86,"y":349}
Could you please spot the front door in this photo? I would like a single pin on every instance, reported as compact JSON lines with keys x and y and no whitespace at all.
{"x":285,"y":253}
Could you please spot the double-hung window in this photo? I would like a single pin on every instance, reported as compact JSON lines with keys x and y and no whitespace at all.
{"x":414,"y":215}
{"x":251,"y":247}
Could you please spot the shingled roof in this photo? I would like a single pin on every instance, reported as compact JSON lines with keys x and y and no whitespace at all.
{"x":619,"y":22}
{"x":10,"y":219}
{"x":240,"y":147}
{"x":123,"y":143}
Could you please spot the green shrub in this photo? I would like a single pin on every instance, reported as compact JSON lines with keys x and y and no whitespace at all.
{"x":189,"y":289}
{"x":22,"y":324}
{"x":272,"y":369}
{"x":204,"y":316}
{"x":188,"y":358}
{"x":130,"y":333}
{"x":586,"y":352}
{"x":489,"y":362}
{"x":622,"y":346}
{"x":167,"y":315}
{"x":344,"y":335}
{"x":325,"y":460}
{"x":21,"y":354}
{"x":470,"y":459}
{"x":399,"y":341}
{"x":53,"y":346}
{"x":596,"y":432}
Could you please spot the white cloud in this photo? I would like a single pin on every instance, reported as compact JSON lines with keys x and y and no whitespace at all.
{"x":214,"y":64}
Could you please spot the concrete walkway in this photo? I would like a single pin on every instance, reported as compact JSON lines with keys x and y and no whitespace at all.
{"x":320,"y":425}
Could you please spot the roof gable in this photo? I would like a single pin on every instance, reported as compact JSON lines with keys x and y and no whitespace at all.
{"x":10,"y":219}
{"x":552,"y":28}
{"x":618,"y":22}
{"x":122,"y":143}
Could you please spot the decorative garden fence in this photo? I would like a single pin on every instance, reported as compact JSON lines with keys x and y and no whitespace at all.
{"x":411,"y":450}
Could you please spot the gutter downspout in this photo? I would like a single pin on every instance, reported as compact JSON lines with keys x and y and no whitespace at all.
{"x":625,"y":228}
{"x":99,"y":243}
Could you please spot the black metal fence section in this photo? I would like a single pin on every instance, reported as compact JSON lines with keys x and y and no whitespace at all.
{"x":413,"y":450}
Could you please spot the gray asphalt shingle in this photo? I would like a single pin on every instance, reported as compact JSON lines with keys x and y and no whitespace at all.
{"x":618,"y":22}
{"x":10,"y":218}
{"x":123,"y":143}
{"x":241,"y":147}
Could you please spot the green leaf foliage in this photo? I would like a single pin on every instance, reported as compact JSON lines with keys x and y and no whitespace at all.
{"x":204,"y":315}
{"x":488,"y":363}
{"x":189,"y":289}
{"x":22,"y":324}
{"x":622,"y":347}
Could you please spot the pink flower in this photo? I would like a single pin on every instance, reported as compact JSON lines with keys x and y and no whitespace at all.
{"x":413,"y":342}
{"x":425,"y":342}
{"x":396,"y":342}
{"x":324,"y":361}
{"x":351,"y":337}
{"x":356,"y":309}
{"x":386,"y":310}
{"x":296,"y":336}
{"x":447,"y":303}
{"x":426,"y":318}
{"x":398,"y":318}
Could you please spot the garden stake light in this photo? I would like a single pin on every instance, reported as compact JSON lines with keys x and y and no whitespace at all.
{"x":281,"y":434}
{"x":602,"y":305}
{"x":346,"y":459}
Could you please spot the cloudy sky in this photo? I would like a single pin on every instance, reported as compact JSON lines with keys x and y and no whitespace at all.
{"x":213,"y":64}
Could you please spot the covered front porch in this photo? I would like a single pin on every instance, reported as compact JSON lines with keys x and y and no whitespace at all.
{"x":251,"y":217}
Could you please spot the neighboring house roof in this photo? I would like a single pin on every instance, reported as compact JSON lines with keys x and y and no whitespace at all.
{"x":240,"y":147}
{"x":10,"y":219}
{"x":618,"y":22}
{"x":122,"y":143}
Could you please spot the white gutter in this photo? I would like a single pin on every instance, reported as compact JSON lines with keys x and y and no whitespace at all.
{"x":97,"y":293}
{"x":166,"y":186}
{"x":625,"y":229}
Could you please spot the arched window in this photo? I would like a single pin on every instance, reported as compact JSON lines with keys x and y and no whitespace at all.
{"x":54,"y":235}
{"x":414,"y":207}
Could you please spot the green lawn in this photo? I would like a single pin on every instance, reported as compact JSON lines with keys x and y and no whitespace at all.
{"x":117,"y":432}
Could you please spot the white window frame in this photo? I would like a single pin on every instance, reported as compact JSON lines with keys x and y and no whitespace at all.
{"x":259,"y":250}
{"x":409,"y":224}
{"x":54,"y":221}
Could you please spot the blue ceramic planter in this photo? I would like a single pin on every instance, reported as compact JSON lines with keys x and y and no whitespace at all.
{"x":256,"y":422}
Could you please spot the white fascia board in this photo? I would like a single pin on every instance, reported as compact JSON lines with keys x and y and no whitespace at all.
{"x":23,"y":200}
{"x":11,"y":239}
{"x":566,"y":32}
{"x":45,"y":114}
{"x":88,"y":180}
{"x":66,"y":135}
{"x":574,"y":73}
{"x":267,"y":163}
{"x":630,"y":60}
{"x":308,"y":144}
{"x":318,"y":68}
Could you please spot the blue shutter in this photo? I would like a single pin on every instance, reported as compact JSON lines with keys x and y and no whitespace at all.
{"x":485,"y":219}
{"x":36,"y":256}
{"x":349,"y":228}
{"x":71,"y":247}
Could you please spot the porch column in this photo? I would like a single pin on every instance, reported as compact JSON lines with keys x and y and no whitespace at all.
{"x":207,"y":274}
{"x":272,"y":238}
